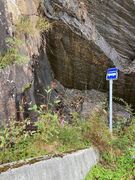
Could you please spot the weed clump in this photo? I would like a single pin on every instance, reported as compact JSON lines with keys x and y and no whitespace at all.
{"x":25,"y":25}
{"x":43,"y":25}
{"x":12,"y":54}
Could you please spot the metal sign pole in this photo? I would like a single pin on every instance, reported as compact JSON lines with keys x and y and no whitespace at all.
{"x":110,"y":104}
{"x":112,"y":74}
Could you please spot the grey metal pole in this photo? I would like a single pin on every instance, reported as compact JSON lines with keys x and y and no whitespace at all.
{"x":110,"y":104}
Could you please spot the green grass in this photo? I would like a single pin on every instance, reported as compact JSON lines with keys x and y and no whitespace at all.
{"x":123,"y":170}
{"x":117,"y":162}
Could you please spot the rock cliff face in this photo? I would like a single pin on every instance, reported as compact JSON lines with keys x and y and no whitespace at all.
{"x":3,"y":25}
{"x":86,"y":38}
{"x":19,"y":83}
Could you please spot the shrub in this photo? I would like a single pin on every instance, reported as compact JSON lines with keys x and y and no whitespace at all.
{"x":12,"y":133}
{"x":47,"y":127}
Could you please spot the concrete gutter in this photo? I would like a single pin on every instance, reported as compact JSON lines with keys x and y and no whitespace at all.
{"x":73,"y":166}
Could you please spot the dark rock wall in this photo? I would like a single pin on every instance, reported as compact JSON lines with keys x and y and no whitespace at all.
{"x":12,"y":81}
{"x":19,"y":83}
{"x":115,"y":21}
{"x":43,"y":76}
{"x":87,"y":38}
{"x":3,"y":26}
{"x":74,"y":61}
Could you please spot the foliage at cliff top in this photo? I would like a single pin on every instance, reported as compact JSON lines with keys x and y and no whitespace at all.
{"x":25,"y":26}
{"x":28,"y":26}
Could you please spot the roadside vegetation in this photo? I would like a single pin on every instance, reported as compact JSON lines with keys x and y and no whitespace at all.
{"x":117,"y":160}
{"x":49,"y":136}
{"x":52,"y":135}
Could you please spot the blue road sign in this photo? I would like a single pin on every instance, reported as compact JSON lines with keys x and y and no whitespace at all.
{"x":112,"y":73}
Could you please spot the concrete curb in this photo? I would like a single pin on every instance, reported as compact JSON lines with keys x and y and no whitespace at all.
{"x":73,"y":166}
